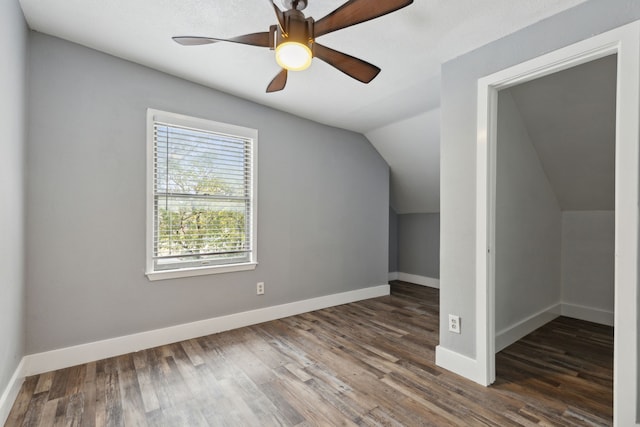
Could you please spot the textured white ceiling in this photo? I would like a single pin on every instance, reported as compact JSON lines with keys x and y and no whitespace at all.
{"x":408,"y":45}
{"x":570,"y":117}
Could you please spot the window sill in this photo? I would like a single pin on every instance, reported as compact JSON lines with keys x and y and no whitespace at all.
{"x":200,"y":271}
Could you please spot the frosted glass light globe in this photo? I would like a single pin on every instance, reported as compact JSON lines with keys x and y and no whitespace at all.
{"x":293,"y":56}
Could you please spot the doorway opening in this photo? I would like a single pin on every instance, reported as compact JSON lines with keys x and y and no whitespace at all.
{"x":624,"y":43}
{"x":555,"y":233}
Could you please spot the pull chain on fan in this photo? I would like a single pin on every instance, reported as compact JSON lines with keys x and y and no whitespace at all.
{"x":294,"y":37}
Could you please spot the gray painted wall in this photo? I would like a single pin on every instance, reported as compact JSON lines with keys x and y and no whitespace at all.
{"x":459,"y":135}
{"x":527,"y":249}
{"x":419,"y":244}
{"x":393,"y":240}
{"x":323,"y":204}
{"x":13,"y":49}
{"x":588,"y":239}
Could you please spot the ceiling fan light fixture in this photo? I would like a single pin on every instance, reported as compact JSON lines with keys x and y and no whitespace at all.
{"x":293,"y":56}
{"x":294,"y":37}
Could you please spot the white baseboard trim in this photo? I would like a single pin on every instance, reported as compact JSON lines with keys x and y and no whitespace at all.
{"x":393,"y":276}
{"x":590,"y":314}
{"x":468,"y":367}
{"x":419,"y":280}
{"x":459,"y":364}
{"x":84,"y":353}
{"x":508,"y":336}
{"x":10,"y":393}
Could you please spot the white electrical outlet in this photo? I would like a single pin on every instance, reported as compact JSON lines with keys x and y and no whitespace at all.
{"x":454,"y":323}
{"x":260,"y":288}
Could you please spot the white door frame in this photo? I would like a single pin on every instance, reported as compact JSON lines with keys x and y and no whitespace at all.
{"x":625,"y":42}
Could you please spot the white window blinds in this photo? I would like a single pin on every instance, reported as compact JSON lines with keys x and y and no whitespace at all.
{"x":202,"y":197}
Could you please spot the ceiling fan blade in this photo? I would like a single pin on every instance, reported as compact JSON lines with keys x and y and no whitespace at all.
{"x":254,"y":39}
{"x":195,"y":41}
{"x":278,"y":82}
{"x":279,"y":14}
{"x":350,"y":65}
{"x":357,"y":11}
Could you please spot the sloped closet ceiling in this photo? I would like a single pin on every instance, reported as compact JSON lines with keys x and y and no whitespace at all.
{"x":570,"y":118}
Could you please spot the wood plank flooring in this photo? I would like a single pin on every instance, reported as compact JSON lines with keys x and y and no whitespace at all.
{"x":369,"y":363}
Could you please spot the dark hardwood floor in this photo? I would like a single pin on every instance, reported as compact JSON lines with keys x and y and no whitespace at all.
{"x":366,"y":363}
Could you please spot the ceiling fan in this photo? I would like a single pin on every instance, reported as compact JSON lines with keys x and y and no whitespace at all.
{"x":294,"y":37}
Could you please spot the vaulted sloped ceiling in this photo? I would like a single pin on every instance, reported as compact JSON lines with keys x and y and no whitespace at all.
{"x":570,"y":118}
{"x":411,"y":147}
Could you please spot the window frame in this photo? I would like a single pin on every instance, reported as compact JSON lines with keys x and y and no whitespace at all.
{"x":154,"y":116}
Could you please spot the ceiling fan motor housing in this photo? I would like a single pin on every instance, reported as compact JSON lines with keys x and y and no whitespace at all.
{"x":296,"y":29}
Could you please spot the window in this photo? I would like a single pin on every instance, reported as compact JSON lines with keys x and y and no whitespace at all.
{"x":201,"y":196}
